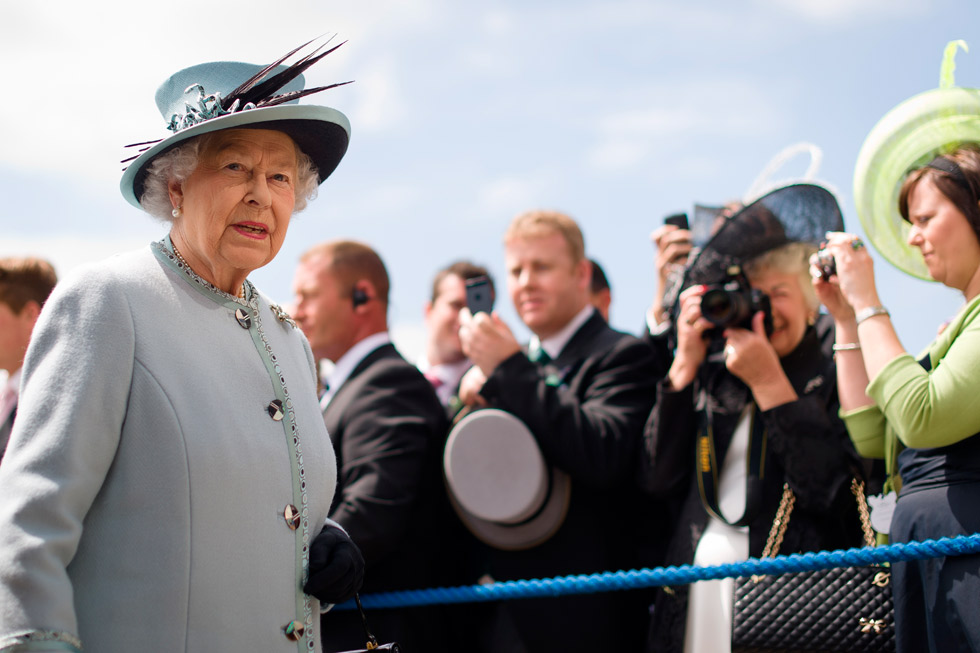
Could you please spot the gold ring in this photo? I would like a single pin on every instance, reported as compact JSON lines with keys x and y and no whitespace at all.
{"x":857,"y":244}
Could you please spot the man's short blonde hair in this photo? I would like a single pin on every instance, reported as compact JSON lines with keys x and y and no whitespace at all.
{"x":542,"y":222}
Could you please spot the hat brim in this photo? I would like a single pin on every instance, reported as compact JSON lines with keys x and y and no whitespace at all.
{"x":793,"y":213}
{"x":535,"y":531}
{"x":480,"y":434}
{"x":320,"y":132}
{"x":908,"y":137}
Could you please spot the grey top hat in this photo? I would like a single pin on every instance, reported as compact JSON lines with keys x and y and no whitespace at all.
{"x":228,"y":94}
{"x":500,"y":484}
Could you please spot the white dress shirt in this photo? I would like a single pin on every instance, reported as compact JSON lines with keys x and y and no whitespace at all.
{"x":343,"y":367}
{"x":447,"y":374}
{"x":553,"y":345}
{"x":8,"y":396}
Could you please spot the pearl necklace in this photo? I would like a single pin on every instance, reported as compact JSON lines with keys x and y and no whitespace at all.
{"x":241,"y":291}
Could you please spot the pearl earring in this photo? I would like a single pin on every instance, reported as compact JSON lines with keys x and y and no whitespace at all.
{"x":176,"y":212}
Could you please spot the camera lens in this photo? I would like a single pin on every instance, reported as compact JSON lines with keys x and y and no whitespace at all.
{"x":728,"y":305}
{"x":717,"y":306}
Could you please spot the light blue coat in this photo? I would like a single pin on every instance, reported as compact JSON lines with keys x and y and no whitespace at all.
{"x":143,"y":491}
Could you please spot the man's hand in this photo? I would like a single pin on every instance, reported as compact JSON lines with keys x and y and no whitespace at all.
{"x":486,"y":340}
{"x":470,"y":386}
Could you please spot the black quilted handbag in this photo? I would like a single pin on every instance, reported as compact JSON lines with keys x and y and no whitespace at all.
{"x":846,"y":609}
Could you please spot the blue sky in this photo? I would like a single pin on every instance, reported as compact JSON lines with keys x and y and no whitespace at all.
{"x":465,"y":114}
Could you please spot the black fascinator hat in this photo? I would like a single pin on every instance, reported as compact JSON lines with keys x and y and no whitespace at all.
{"x":793,"y":213}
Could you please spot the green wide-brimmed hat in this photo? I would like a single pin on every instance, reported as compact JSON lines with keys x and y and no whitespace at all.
{"x":230,"y":94}
{"x":908,"y":137}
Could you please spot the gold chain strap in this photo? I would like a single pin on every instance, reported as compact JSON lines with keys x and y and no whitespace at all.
{"x":857,"y":487}
{"x":780,"y":522}
{"x":788,"y":500}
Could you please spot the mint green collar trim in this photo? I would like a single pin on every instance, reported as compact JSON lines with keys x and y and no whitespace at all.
{"x":164,"y":251}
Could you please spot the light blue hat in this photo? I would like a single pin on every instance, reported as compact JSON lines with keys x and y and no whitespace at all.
{"x":228,"y":94}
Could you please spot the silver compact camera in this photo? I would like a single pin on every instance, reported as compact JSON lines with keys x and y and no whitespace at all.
{"x":826,"y":264}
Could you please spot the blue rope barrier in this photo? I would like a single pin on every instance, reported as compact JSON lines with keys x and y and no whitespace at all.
{"x":682,"y":575}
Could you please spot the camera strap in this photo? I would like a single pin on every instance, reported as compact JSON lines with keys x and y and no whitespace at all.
{"x":706,"y":463}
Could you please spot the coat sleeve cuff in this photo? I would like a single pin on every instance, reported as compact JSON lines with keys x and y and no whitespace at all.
{"x":47,"y":641}
{"x":866,"y":426}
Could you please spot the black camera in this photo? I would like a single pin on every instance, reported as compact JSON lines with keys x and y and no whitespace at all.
{"x":826,"y":264}
{"x":733,"y":302}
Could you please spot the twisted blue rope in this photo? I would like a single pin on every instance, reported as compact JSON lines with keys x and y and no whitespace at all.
{"x":682,"y":575}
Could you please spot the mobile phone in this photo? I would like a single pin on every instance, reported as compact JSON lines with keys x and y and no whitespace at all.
{"x":479,"y":298}
{"x":678,"y":220}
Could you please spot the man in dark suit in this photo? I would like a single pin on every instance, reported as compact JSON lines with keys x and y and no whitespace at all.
{"x":387,"y":428}
{"x":584,"y":390}
{"x":25,"y":284}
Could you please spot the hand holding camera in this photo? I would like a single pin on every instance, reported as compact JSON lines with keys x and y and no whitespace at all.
{"x":751,"y":357}
{"x":734,"y":303}
{"x":691,"y":345}
{"x":843,"y":274}
{"x":673,"y":243}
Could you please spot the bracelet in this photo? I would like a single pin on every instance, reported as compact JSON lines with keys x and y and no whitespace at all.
{"x":869,"y":313}
{"x":850,"y":346}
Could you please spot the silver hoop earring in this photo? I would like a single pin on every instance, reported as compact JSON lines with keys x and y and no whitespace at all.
{"x":176,"y":212}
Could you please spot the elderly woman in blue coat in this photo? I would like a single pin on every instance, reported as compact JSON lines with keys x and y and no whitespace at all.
{"x":167,"y":483}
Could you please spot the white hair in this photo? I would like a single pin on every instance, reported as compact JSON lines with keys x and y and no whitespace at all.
{"x":179,"y":163}
{"x":791,"y":258}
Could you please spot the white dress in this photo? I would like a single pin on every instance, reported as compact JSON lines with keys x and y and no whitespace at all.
{"x":709,"y":608}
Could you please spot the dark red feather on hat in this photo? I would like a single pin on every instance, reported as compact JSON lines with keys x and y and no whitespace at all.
{"x":261,"y":93}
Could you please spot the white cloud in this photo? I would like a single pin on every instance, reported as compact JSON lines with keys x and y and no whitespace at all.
{"x":507,"y":195}
{"x":715,"y":108}
{"x":497,"y":22}
{"x":67,"y":253}
{"x":389,"y":200}
{"x":618,"y":153}
{"x":378,"y":102}
{"x":842,"y":13}
{"x":87,"y":84}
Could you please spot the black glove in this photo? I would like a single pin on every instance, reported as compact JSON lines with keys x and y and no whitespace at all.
{"x":336,"y":566}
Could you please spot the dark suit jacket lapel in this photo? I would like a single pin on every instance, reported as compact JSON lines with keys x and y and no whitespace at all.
{"x":333,"y":411}
{"x":581,"y":345}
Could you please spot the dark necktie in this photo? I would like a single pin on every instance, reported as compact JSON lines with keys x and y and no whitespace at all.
{"x":538,"y":355}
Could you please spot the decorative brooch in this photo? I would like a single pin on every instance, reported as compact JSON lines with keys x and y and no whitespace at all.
{"x":206,"y":108}
{"x":282,"y":315}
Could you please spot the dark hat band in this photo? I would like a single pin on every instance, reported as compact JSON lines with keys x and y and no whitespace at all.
{"x":952,"y":168}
